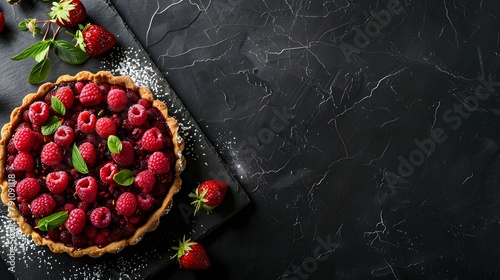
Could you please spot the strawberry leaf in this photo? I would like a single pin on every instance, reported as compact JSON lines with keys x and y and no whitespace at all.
{"x":34,"y":50}
{"x":69,"y":53}
{"x":39,"y":72}
{"x":29,"y":24}
{"x":124,"y":177}
{"x":52,"y":221}
{"x":78,"y":161}
{"x":114,"y":144}
{"x":60,"y":10}
{"x":50,"y":126}
{"x":58,"y":106}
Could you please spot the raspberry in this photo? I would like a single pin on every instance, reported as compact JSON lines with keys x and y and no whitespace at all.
{"x":158,"y":163}
{"x":86,"y":121}
{"x":24,"y":208}
{"x":91,"y":95}
{"x":38,"y":139}
{"x":64,"y":136}
{"x":100,"y":217}
{"x":24,"y":140}
{"x":88,"y":152}
{"x":51,"y":154}
{"x":65,"y":237}
{"x":42,"y":205}
{"x":152,"y":140}
{"x":79,"y":240}
{"x":138,"y":132}
{"x":68,"y":207}
{"x":117,"y":100}
{"x":57,"y":181}
{"x":115,"y":235}
{"x":132,"y":96}
{"x":145,"y":180}
{"x":105,"y":127}
{"x":155,"y":115}
{"x":100,"y":239}
{"x":127,"y":125}
{"x":27,"y":189}
{"x":11,"y":147}
{"x":146,"y":104}
{"x":126,"y":204}
{"x":23,"y":162}
{"x":129,"y":229}
{"x":145,"y":201}
{"x":86,"y":189}
{"x":39,"y":112}
{"x":126,"y":156}
{"x":76,"y":221}
{"x":60,"y":199}
{"x":90,"y":231}
{"x":104,"y":87}
{"x":54,"y":234}
{"x":137,"y":114}
{"x":26,"y":114}
{"x":79,"y":86}
{"x":107,"y":172}
{"x":66,"y":95}
{"x":162,"y":126}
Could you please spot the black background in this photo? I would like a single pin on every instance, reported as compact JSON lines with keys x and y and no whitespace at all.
{"x":327,"y":112}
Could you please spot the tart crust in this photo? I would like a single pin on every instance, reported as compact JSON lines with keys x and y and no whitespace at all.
{"x":151,"y":223}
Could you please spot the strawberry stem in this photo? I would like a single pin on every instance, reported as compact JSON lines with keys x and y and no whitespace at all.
{"x":55,"y":33}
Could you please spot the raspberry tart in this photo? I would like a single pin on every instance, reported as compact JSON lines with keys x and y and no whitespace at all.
{"x":90,"y":163}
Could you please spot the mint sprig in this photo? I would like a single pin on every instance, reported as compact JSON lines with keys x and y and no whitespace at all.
{"x":39,"y":51}
{"x":124,"y":177}
{"x":114,"y":144}
{"x":57,"y":105}
{"x":52,"y":221}
{"x":51,"y":125}
{"x":78,"y":162}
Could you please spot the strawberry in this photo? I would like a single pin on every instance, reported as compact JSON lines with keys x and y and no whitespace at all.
{"x":2,"y":21}
{"x":208,"y":195}
{"x":191,"y":255}
{"x":68,"y":13}
{"x":95,"y":39}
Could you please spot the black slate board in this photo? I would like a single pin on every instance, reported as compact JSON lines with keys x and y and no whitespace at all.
{"x":128,"y":58}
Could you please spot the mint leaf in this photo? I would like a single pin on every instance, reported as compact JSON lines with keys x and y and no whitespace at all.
{"x":51,"y":125}
{"x":52,"y":221}
{"x":39,"y":72}
{"x":124,"y":177}
{"x":69,"y":53}
{"x":58,"y":106}
{"x":78,"y":162}
{"x":33,"y":50}
{"x":114,"y":144}
{"x":41,"y":55}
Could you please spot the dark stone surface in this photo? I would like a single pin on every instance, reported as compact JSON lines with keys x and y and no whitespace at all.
{"x":153,"y":253}
{"x":365,"y":132}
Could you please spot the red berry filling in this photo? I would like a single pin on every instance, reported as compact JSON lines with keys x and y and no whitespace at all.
{"x":101,"y":208}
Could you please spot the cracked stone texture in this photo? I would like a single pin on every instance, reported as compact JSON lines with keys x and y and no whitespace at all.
{"x":365,"y":132}
{"x":369,"y":124}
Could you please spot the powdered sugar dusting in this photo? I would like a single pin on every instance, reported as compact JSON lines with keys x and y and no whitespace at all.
{"x":130,"y":62}
{"x":28,"y":258}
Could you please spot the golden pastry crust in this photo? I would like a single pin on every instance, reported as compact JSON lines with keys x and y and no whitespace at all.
{"x":152,"y":222}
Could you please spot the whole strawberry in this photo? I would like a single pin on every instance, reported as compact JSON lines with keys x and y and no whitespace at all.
{"x":209,"y":195}
{"x":2,"y":22}
{"x":95,"y":39}
{"x":68,"y":13}
{"x":191,"y":255}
